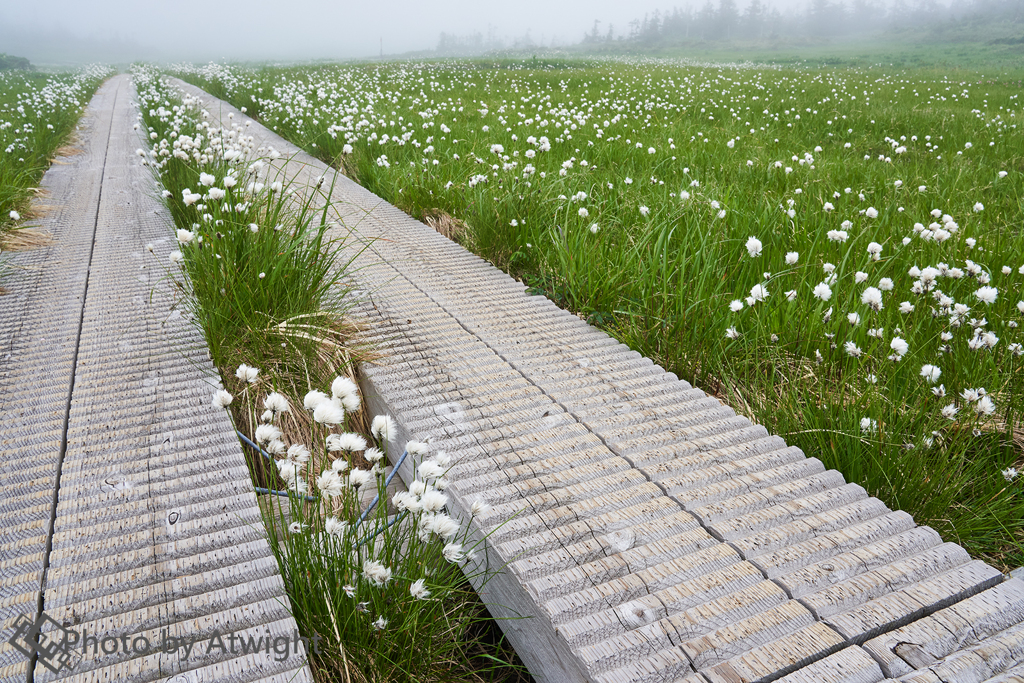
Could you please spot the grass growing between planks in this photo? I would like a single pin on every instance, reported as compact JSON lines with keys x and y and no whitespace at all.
{"x":836,"y":252}
{"x":384,"y":597}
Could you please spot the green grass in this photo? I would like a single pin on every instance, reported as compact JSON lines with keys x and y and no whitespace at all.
{"x":263,"y":280}
{"x":662,"y":281}
{"x":38,"y":114}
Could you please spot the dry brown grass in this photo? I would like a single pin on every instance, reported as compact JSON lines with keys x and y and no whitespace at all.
{"x":446,"y":224}
{"x":20,"y":239}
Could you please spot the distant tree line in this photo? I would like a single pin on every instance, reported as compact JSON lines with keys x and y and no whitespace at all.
{"x":758,"y":20}
{"x":10,"y":62}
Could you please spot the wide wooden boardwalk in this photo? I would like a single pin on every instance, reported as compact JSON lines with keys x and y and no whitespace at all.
{"x":126,"y":503}
{"x":648,"y":532}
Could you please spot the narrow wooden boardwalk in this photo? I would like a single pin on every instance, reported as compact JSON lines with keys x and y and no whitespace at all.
{"x":649,"y":533}
{"x":126,"y":501}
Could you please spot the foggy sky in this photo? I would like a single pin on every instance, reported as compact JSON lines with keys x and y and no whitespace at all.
{"x":122,"y":30}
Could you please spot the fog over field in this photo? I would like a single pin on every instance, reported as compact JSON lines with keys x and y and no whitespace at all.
{"x":69,"y":31}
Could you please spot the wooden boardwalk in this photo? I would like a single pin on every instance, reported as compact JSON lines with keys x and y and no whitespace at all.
{"x":649,"y":533}
{"x":126,"y":502}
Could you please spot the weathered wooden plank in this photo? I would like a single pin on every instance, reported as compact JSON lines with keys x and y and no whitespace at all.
{"x":965,"y":624}
{"x":785,"y":655}
{"x":850,"y":665}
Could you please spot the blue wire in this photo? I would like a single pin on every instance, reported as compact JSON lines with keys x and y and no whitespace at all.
{"x":376,"y":499}
{"x":260,"y":489}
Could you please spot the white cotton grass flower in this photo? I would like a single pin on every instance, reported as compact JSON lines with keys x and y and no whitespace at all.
{"x":792,"y":257}
{"x":872,"y":298}
{"x":376,"y":573}
{"x":350,"y":442}
{"x":1009,"y":474}
{"x":265,"y":433}
{"x":736,"y":306}
{"x":985,"y":406}
{"x":313,"y":399}
{"x":453,"y":552}
{"x":868,"y":426}
{"x":335,"y":527}
{"x":384,"y":428}
{"x":886,"y":284}
{"x":246,"y":373}
{"x":949,"y":412}
{"x":416,"y":448}
{"x":342,"y":387}
{"x":418,"y":589}
{"x":931,"y":373}
{"x":373,"y":455}
{"x":758,"y":293}
{"x":822,"y":291}
{"x":207,"y":179}
{"x":433,"y":500}
{"x":852,"y":349}
{"x":875,"y":250}
{"x":330,"y":484}
{"x":185,"y":236}
{"x":429,"y":470}
{"x":298,"y":454}
{"x":380,"y":624}
{"x":871,"y":212}
{"x":358,"y":478}
{"x":479,"y":508}
{"x":853,"y":318}
{"x":328,"y":413}
{"x":439,"y":524}
{"x":276,"y":403}
{"x":987,"y":294}
{"x":754,"y":247}
{"x":899,"y":348}
{"x":732,"y":333}
{"x":222,"y":399}
{"x":295,"y":527}
{"x":175,"y":257}
{"x":838,"y":235}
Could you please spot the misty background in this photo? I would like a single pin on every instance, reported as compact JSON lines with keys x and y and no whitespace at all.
{"x":61,"y":32}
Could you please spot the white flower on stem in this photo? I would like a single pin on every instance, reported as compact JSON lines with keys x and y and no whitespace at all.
{"x":384,"y":428}
{"x":216,"y":193}
{"x":359,"y":477}
{"x":276,"y":403}
{"x":949,"y":412}
{"x":758,"y":292}
{"x":899,"y":348}
{"x":416,"y":448}
{"x":939,"y":391}
{"x":418,"y":589}
{"x":350,"y":442}
{"x":885,"y":284}
{"x":380,"y":624}
{"x":853,"y":318}
{"x":754,"y":247}
{"x":343,"y":386}
{"x":222,"y":399}
{"x":979,"y":207}
{"x":985,"y":406}
{"x":185,"y":236}
{"x":838,"y":235}
{"x":376,"y":573}
{"x":987,"y":294}
{"x":732,"y":333}
{"x":822,"y":291}
{"x":266,"y":433}
{"x":1009,"y":474}
{"x":868,"y":425}
{"x":791,"y":295}
{"x":860,"y":276}
{"x":295,"y":527}
{"x":373,"y":455}
{"x":852,"y":349}
{"x":453,"y":552}
{"x":335,"y":526}
{"x":644,"y":211}
{"x":872,"y":297}
{"x":350,"y":591}
{"x":439,"y":524}
{"x":429,"y":470}
{"x":736,"y":306}
{"x":871,"y":212}
{"x":246,"y":373}
{"x":313,"y":399}
{"x":406,"y":501}
{"x":479,"y":507}
{"x":930,"y":373}
{"x":792,"y":257}
{"x":175,"y":257}
{"x":328,"y":413}
{"x":433,"y":500}
{"x":298,"y":454}
{"x":207,"y":179}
